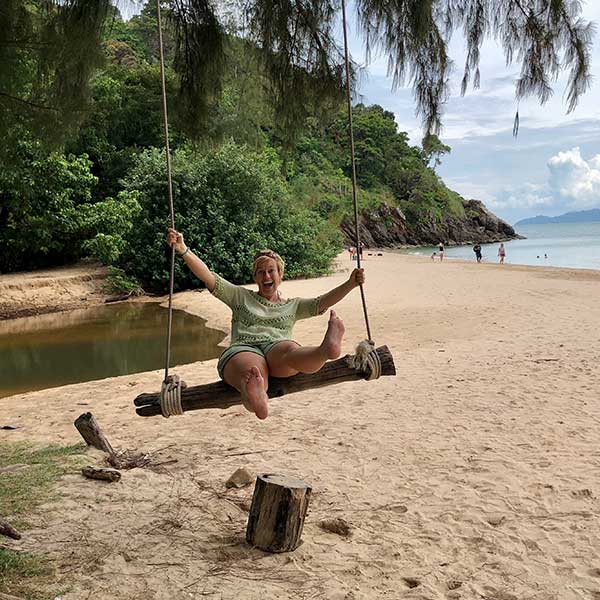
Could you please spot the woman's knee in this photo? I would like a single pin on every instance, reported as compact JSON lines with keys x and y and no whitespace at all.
{"x":239,"y":368}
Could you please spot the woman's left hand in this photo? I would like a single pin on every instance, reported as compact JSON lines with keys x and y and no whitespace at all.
{"x":357,"y":277}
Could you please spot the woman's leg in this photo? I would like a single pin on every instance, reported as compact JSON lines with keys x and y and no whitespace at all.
{"x":248,"y":373}
{"x":288,"y":358}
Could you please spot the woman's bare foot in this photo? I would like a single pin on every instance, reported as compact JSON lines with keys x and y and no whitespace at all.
{"x":254,"y":395}
{"x":331,"y":345}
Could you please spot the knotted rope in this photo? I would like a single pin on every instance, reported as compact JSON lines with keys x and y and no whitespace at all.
{"x":170,"y":392}
{"x":353,"y":161}
{"x":366,"y":360}
{"x":170,"y":396}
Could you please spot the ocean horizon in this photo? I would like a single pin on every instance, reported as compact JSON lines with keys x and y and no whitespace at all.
{"x":567,"y":245}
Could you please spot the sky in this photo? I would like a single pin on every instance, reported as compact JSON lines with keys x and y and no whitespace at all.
{"x":552,"y":167}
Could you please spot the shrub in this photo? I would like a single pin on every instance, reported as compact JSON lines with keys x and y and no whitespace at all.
{"x":228,"y":204}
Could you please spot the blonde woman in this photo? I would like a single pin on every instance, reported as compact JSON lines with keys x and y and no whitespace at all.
{"x":262,"y":323}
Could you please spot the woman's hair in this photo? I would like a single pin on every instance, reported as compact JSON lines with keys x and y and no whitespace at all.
{"x":263,"y":255}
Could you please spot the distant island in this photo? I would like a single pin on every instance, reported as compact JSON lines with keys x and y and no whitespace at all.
{"x":580,"y":216}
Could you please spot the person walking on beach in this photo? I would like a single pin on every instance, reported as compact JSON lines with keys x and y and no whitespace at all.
{"x":262,"y":323}
{"x":477,"y":250}
{"x":441,"y":251}
{"x":501,"y":253}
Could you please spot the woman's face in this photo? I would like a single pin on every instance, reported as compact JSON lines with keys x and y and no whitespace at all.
{"x":267,"y":277}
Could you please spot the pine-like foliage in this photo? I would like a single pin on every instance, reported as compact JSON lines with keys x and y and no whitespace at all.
{"x":49,"y":49}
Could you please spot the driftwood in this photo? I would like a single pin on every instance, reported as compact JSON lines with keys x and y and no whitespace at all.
{"x":221,"y":395}
{"x":8,"y":597}
{"x":276,"y":518}
{"x":90,"y":431}
{"x":8,"y":530}
{"x":103,"y":474}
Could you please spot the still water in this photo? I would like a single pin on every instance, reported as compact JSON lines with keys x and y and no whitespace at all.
{"x":52,"y":350}
{"x":573,"y":245}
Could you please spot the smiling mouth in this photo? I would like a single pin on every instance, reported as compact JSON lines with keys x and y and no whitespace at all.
{"x":268,"y":283}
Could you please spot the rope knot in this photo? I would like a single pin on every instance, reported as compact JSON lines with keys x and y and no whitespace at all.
{"x":366,"y":360}
{"x":170,"y":396}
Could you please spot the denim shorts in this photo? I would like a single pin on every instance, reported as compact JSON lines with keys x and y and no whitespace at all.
{"x":260,"y":348}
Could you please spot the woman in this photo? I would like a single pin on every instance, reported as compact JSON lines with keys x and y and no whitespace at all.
{"x":501,"y":253}
{"x":262,"y":322}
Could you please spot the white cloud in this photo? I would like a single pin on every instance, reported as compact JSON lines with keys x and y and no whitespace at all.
{"x":574,"y":179}
{"x":527,"y":196}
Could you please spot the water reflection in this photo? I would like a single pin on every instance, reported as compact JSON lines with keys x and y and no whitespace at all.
{"x":52,"y":350}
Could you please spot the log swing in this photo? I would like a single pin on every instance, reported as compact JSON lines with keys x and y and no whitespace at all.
{"x":367,"y":363}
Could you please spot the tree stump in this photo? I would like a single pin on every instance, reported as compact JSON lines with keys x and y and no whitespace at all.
{"x":276,"y":518}
{"x":90,"y":431}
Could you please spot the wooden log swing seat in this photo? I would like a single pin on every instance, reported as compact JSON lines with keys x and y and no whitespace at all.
{"x":221,"y":395}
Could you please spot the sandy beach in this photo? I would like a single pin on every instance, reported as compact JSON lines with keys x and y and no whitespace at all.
{"x":473,"y":474}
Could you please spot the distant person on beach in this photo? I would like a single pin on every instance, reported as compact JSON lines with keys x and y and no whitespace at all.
{"x":441,"y":250}
{"x":361,"y":249}
{"x":501,"y":253}
{"x":262,"y":323}
{"x":433,"y":256}
{"x":477,"y":250}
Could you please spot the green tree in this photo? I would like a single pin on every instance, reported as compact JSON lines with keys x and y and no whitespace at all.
{"x":296,"y":42}
{"x":433,"y":149}
{"x":47,"y":215}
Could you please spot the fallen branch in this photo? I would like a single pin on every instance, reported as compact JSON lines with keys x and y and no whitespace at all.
{"x":8,"y":530}
{"x":103,"y":474}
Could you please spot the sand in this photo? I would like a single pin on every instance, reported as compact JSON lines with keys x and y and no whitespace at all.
{"x":473,"y":474}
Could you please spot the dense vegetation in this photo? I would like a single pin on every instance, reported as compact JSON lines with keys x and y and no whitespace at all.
{"x":240,"y":186}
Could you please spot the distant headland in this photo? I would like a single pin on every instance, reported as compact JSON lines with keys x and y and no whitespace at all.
{"x":580,"y":216}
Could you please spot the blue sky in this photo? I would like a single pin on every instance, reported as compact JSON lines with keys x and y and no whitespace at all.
{"x":552,"y":167}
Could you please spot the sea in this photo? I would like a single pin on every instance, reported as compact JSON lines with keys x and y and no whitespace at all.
{"x":569,"y":245}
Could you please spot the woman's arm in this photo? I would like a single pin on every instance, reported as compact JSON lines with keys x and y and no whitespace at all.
{"x":357,"y":277}
{"x":196,"y":265}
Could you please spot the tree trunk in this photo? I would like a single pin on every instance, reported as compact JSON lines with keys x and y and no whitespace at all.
{"x":90,"y":431}
{"x":277,"y":513}
{"x":221,"y":395}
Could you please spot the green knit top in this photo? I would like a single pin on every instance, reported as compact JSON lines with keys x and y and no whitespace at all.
{"x":255,"y":319}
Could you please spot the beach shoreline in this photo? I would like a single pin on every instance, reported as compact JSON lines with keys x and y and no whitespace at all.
{"x":471,"y":474}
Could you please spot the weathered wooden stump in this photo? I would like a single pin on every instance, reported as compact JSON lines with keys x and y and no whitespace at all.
{"x":276,"y":518}
{"x":90,"y":431}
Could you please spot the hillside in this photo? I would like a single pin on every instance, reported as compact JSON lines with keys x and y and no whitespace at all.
{"x":580,"y":216}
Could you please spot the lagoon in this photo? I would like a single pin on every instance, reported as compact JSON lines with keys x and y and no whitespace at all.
{"x":83,"y":345}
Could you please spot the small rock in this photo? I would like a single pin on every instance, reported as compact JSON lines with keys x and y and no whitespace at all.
{"x":241,"y":478}
{"x":412,"y":582}
{"x":9,"y":427}
{"x":495,"y":520}
{"x":338,"y":526}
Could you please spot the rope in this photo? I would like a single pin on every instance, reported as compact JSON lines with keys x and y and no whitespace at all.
{"x":170,"y":185}
{"x":366,"y":360}
{"x":354,"y":186}
{"x":170,"y":396}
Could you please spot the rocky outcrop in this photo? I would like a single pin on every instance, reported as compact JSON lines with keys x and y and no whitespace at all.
{"x":388,"y":227}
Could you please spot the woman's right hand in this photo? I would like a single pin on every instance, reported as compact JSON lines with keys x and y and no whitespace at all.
{"x":175,"y":240}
